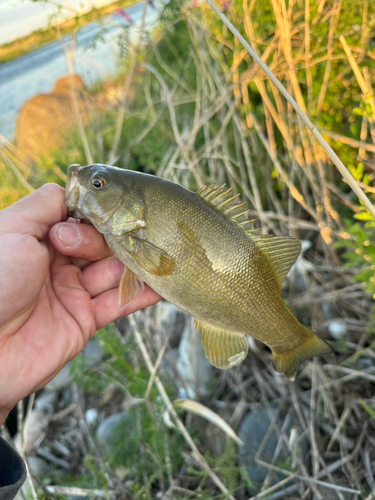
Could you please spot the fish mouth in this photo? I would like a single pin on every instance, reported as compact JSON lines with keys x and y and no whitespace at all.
{"x":74,"y":193}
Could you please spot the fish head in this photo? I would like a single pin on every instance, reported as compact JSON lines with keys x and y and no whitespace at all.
{"x":103,"y":195}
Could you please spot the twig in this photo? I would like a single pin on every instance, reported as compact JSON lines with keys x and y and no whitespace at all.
{"x":156,"y":367}
{"x":22,"y":431}
{"x":354,"y":143}
{"x":68,"y":61}
{"x":308,"y":479}
{"x":17,"y":173}
{"x":112,"y":158}
{"x":74,"y":491}
{"x":274,"y":487}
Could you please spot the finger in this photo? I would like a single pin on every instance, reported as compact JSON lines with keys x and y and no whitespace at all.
{"x":106,"y":308}
{"x":102,"y":276}
{"x":79,"y":240}
{"x":36,"y":213}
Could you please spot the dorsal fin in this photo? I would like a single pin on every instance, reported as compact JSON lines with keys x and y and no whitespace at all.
{"x":282,"y":251}
{"x":223,"y":200}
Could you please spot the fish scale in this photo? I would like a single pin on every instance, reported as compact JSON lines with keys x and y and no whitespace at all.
{"x":194,"y":250}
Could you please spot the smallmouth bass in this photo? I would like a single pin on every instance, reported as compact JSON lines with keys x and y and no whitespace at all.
{"x":200,"y":252}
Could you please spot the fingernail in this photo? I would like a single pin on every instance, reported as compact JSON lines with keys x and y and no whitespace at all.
{"x":69,"y":235}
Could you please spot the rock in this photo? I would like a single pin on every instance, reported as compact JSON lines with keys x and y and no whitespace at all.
{"x":45,"y":402}
{"x":93,"y":350}
{"x":38,"y":466}
{"x":298,"y":276}
{"x":337,"y":328}
{"x":194,"y":369}
{"x":169,"y":363}
{"x":91,"y":416}
{"x":114,"y":431}
{"x":252,"y":431}
{"x":170,"y":320}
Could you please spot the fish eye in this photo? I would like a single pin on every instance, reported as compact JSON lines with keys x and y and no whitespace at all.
{"x":98,"y":183}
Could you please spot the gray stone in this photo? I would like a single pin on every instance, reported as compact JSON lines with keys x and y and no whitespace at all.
{"x":91,"y":416}
{"x":252,"y":431}
{"x":45,"y":402}
{"x":170,"y":320}
{"x":337,"y":328}
{"x":195,"y":370}
{"x":114,"y":431}
{"x":299,"y":275}
{"x":38,"y":466}
{"x":93,"y":350}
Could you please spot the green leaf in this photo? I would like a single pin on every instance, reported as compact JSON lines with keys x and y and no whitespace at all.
{"x":363,"y":216}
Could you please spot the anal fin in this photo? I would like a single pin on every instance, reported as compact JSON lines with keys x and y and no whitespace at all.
{"x":130,"y":287}
{"x":222,"y":348}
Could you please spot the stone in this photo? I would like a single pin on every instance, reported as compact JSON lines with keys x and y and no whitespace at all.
{"x":337,"y":328}
{"x":170,"y":320}
{"x":38,"y":466}
{"x":252,"y":431}
{"x":93,"y":351}
{"x":299,"y":275}
{"x":195,"y":370}
{"x":114,"y":431}
{"x":91,"y":416}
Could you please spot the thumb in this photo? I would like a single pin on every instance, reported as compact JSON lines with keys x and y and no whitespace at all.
{"x":36,"y":213}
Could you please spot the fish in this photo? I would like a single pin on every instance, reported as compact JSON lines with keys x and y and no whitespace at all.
{"x":201,"y":252}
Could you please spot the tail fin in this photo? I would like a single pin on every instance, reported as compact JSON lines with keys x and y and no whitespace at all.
{"x":288,"y":362}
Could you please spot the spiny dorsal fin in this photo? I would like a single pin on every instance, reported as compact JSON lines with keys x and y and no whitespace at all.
{"x":222,"y":348}
{"x":282,"y":251}
{"x":223,"y":199}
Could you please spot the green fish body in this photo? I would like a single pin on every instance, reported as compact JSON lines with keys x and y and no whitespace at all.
{"x":200,"y":252}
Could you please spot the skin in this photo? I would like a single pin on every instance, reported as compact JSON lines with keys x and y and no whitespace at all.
{"x":59,"y":285}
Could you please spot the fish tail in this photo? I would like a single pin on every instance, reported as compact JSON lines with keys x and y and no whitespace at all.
{"x":287,"y":362}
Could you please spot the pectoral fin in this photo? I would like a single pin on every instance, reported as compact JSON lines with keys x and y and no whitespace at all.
{"x":151,"y":258}
{"x":223,"y":349}
{"x":130,"y":287}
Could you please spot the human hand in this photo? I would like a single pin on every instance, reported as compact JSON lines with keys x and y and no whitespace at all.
{"x":59,"y":284}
